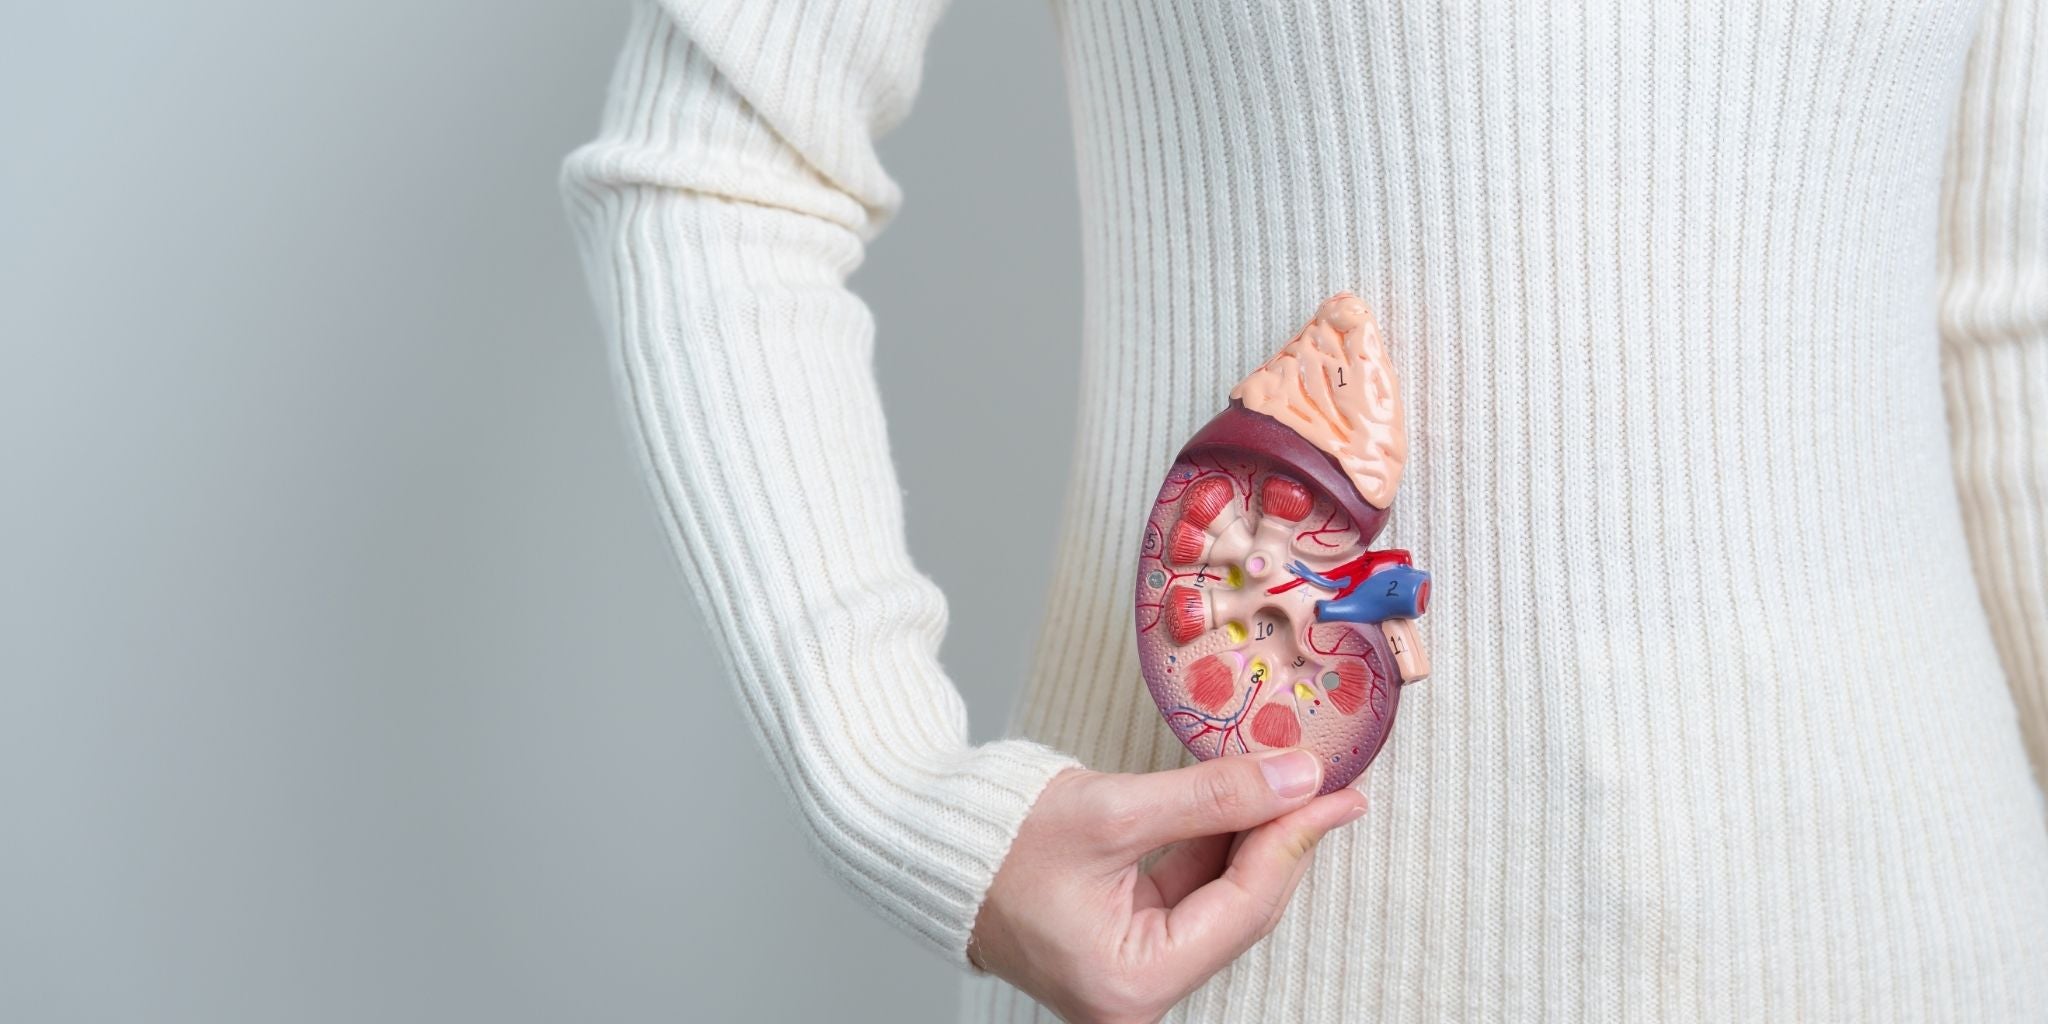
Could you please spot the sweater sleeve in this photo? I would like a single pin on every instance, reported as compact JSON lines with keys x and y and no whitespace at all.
{"x":730,"y":191}
{"x":1994,"y":322}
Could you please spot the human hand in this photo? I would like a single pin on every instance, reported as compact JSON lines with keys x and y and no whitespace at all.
{"x":1073,"y":920}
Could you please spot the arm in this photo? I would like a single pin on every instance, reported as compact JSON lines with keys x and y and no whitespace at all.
{"x":1994,"y":317}
{"x":719,"y":212}
{"x":729,"y":194}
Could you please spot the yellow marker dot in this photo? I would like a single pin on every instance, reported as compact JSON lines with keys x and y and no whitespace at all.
{"x":1258,"y":671}
{"x":1302,"y":691}
{"x":1235,"y":577}
{"x":1235,"y":631}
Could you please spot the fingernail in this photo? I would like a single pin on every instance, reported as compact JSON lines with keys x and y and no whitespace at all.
{"x":1354,"y":814}
{"x":1292,"y":774}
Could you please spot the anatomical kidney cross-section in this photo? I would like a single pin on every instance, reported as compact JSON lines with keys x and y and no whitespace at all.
{"x":1264,"y":619}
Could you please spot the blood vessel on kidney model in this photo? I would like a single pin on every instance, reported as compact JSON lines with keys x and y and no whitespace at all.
{"x":1264,"y":619}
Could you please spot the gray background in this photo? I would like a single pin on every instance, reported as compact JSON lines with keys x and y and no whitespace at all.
{"x":344,"y":673}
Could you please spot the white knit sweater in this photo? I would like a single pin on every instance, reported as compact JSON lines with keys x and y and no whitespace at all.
{"x":1724,"y":330}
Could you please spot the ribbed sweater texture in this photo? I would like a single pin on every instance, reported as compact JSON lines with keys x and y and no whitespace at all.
{"x":1724,"y":334}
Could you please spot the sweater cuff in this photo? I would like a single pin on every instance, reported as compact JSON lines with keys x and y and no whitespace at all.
{"x":944,"y":870}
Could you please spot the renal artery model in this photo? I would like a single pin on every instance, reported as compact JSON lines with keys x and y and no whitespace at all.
{"x":1264,"y":620}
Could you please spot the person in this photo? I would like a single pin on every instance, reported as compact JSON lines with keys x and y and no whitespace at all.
{"x":1724,"y":333}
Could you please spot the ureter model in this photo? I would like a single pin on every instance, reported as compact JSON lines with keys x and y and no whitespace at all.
{"x":1264,"y":618}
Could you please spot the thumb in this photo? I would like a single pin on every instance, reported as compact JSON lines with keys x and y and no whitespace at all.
{"x":1219,"y":921}
{"x":1226,"y":794}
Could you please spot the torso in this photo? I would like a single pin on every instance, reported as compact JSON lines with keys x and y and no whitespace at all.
{"x":1716,"y":728}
